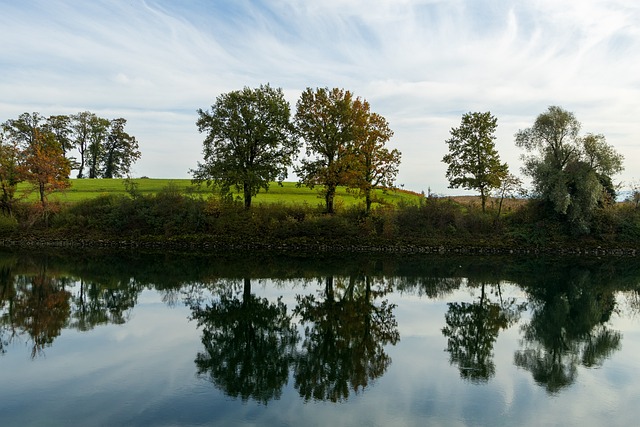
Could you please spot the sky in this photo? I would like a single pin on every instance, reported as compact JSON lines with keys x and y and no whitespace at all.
{"x":421,"y":64}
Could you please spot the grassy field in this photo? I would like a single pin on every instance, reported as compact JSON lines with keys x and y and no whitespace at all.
{"x":288,"y":193}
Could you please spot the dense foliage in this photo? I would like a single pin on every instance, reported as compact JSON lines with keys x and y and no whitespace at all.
{"x":473,"y":162}
{"x":573,"y":174}
{"x":175,"y":216}
{"x":345,"y":144}
{"x":249,"y":141}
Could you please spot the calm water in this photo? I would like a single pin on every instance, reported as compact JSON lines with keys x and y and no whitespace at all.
{"x":163,"y":340}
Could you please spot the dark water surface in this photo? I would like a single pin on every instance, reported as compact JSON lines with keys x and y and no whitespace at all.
{"x":108,"y":339}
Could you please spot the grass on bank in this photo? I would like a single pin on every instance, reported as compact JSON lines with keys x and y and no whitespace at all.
{"x":288,"y":193}
{"x":176,"y":209}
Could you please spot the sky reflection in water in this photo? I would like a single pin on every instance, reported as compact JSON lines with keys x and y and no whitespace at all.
{"x":103,"y":339}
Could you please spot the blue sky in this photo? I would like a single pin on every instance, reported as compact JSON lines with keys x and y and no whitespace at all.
{"x":420,"y":63}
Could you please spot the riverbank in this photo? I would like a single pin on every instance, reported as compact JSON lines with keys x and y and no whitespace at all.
{"x":202,"y":243}
{"x":171,"y":220}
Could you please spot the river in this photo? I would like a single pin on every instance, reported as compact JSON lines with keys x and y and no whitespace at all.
{"x":169,"y":339}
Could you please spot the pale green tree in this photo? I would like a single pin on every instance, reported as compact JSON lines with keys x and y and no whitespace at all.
{"x":571,"y":173}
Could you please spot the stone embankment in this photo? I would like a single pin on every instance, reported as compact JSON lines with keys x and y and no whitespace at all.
{"x":310,"y":246}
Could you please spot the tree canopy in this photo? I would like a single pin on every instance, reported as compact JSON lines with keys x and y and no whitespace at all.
{"x":374,"y":165}
{"x":102,"y":145}
{"x":345,"y":144}
{"x":571,"y":173}
{"x":249,"y":141}
{"x":473,"y":161}
{"x":32,"y":152}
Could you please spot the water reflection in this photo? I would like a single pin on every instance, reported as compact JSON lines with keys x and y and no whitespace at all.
{"x":249,"y":343}
{"x":345,"y":335}
{"x":568,"y":326}
{"x":472,"y":329}
{"x":333,"y":339}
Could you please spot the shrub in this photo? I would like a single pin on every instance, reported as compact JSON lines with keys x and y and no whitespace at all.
{"x":8,"y":225}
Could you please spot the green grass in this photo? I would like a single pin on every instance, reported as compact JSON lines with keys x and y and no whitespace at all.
{"x":288,"y":193}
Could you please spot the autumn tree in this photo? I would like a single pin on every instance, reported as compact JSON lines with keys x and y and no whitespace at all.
{"x":46,"y":166}
{"x":40,"y":156}
{"x":473,"y":162}
{"x":325,"y":121}
{"x":249,"y":141}
{"x":372,"y":163}
{"x":570,"y":172}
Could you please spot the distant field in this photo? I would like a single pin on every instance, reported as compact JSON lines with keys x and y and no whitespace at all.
{"x":82,"y":189}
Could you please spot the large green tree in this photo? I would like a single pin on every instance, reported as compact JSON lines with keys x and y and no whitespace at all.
{"x":249,"y":141}
{"x":473,"y":161}
{"x":21,"y":131}
{"x":81,"y":133}
{"x":570,"y":172}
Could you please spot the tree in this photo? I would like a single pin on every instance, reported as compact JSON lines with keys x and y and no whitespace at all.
{"x":571,"y":173}
{"x":21,"y":131}
{"x":81,"y":125}
{"x":374,"y":164}
{"x":60,"y":126}
{"x":249,"y":344}
{"x":473,"y":162}
{"x":511,"y":186}
{"x":120,"y":150}
{"x":345,"y":337}
{"x":249,"y":141}
{"x":40,"y":156}
{"x":46,"y":167}
{"x":325,"y":121}
{"x":99,"y":129}
{"x":11,"y":173}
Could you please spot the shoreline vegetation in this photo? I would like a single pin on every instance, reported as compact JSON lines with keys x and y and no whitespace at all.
{"x":175,"y":215}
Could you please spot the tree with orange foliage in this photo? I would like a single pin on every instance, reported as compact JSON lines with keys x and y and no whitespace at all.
{"x":373,"y":164}
{"x":345,"y":144}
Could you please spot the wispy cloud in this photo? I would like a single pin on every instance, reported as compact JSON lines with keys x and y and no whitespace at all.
{"x":420,"y":63}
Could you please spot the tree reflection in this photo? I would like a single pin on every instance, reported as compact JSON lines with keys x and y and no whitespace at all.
{"x":471,"y":331}
{"x":249,"y":344}
{"x":345,"y":335}
{"x":567,"y":329}
{"x":39,"y":308}
{"x":103,"y":303}
{"x":7,"y":295}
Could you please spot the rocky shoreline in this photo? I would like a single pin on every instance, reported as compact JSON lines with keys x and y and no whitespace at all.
{"x":311,"y":246}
